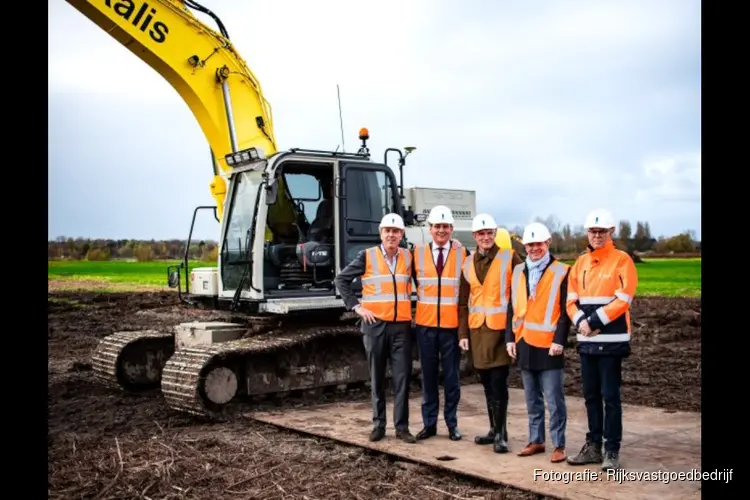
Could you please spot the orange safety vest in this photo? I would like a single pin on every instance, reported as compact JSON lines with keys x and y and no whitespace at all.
{"x":535,"y":318}
{"x":437,"y":292}
{"x":387,"y":295}
{"x":602,"y":284}
{"x":488,"y":301}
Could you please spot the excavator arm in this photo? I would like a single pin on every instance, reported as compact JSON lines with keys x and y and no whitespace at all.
{"x":201,"y":64}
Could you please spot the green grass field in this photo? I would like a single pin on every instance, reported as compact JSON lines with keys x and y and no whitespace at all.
{"x":113,"y":275}
{"x":671,"y":277}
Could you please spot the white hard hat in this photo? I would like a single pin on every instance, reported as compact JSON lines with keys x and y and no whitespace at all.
{"x":440,"y":215}
{"x":599,"y":218}
{"x":483,"y":221}
{"x":536,"y":232}
{"x":392,"y":220}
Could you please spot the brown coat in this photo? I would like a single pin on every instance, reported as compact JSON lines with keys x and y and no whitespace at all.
{"x":487,"y":346}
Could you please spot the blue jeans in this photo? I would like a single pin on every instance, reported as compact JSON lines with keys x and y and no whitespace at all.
{"x":436,"y":345}
{"x":539,"y":385}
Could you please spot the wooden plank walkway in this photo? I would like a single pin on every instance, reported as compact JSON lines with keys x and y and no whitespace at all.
{"x":655,"y":443}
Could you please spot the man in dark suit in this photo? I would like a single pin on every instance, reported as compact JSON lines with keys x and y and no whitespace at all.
{"x":437,"y":275}
{"x":385,"y":309}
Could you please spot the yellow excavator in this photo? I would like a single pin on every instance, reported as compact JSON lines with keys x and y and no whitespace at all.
{"x":286,"y":328}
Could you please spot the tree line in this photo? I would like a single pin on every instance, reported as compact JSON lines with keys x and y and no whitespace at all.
{"x":65,"y":248}
{"x":570,"y":240}
{"x":567,"y":240}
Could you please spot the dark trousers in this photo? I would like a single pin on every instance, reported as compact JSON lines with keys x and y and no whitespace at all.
{"x":436,"y":345}
{"x":602,"y":378}
{"x":392,"y":344}
{"x":495,"y":383}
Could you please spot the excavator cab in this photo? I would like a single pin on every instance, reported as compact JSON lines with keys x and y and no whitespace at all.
{"x":292,"y":221}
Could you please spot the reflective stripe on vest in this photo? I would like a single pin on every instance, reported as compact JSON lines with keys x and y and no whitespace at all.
{"x":543,"y":310}
{"x":429,"y":294}
{"x":386,"y":294}
{"x":601,"y":301}
{"x":488,"y":301}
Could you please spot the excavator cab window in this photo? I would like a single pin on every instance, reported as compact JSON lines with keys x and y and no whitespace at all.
{"x":305,"y":191}
{"x":238,"y":237}
{"x":369,"y":192}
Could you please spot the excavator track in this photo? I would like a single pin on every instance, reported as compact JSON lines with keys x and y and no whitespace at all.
{"x":202,"y":380}
{"x":132,"y":360}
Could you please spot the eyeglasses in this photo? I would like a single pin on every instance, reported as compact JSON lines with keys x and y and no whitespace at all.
{"x":598,"y":232}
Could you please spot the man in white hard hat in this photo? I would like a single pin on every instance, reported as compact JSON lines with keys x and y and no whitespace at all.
{"x":601,"y":287}
{"x":385,"y":309}
{"x":483,"y":307}
{"x":437,"y":275}
{"x":538,"y":326}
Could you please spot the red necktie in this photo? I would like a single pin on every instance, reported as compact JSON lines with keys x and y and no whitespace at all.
{"x":440,"y":261}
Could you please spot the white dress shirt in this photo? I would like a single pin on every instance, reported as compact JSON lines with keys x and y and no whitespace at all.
{"x":392,"y":261}
{"x":435,"y":252}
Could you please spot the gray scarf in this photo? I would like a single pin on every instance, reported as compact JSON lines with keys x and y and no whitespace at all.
{"x":535,"y":271}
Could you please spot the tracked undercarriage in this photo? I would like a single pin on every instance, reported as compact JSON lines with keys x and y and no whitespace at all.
{"x":202,"y":367}
{"x":133,"y":360}
{"x":201,"y":380}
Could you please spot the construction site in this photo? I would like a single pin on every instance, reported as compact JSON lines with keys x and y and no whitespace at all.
{"x":249,"y":378}
{"x":105,"y":443}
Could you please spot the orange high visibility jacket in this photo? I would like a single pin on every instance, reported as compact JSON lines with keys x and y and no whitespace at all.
{"x":535,"y":318}
{"x":387,"y":295}
{"x":601,"y":287}
{"x":488,"y":301}
{"x":437,"y":296}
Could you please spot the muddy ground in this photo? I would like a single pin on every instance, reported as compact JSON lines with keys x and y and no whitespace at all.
{"x":102,"y":444}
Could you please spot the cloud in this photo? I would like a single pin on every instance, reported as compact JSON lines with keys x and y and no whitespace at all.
{"x":675,"y":179}
{"x":127,"y":172}
{"x":544,"y":110}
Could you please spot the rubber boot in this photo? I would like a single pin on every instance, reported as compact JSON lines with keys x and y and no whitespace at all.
{"x":501,"y":432}
{"x":489,"y":438}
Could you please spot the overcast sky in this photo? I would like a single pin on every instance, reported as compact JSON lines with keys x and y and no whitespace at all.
{"x":543,"y":107}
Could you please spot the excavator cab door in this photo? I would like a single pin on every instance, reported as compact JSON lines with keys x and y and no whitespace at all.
{"x":365,"y":192}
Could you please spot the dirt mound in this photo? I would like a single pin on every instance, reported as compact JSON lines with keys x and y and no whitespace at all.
{"x":664,"y":369}
{"x":112,"y":445}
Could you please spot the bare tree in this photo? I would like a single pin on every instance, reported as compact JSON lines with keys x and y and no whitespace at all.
{"x":624,"y":234}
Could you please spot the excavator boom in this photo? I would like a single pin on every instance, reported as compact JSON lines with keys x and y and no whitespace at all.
{"x":201,"y":64}
{"x":287,"y":329}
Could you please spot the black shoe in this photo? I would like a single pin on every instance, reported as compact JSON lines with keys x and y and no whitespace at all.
{"x":591,"y":453}
{"x":454,"y":434}
{"x":377,"y":434}
{"x":611,"y":460}
{"x":489,"y":438}
{"x":427,"y":432}
{"x":406,"y":436}
{"x":500,"y":442}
